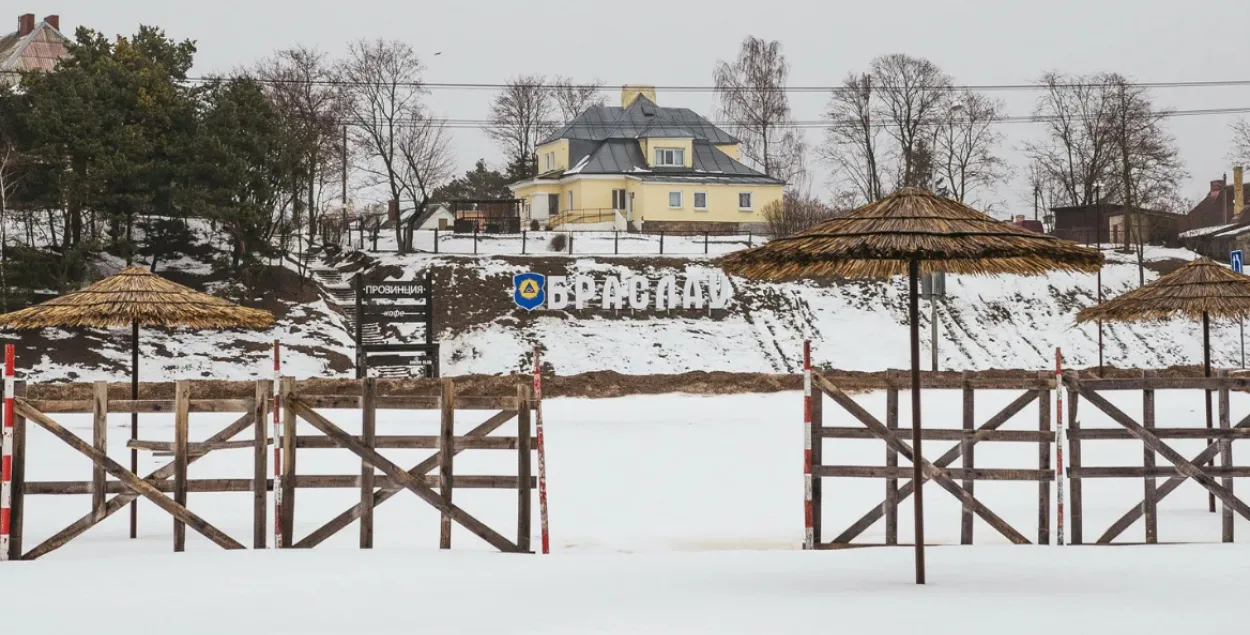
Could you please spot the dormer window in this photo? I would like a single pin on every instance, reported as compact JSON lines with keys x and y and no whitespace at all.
{"x":670,"y":157}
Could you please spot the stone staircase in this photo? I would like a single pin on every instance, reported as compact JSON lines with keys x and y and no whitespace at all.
{"x":341,"y":294}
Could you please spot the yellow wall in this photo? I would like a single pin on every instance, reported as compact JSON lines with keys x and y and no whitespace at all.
{"x":732,"y":149}
{"x":649,"y":146}
{"x":561,"y":148}
{"x":651,"y":199}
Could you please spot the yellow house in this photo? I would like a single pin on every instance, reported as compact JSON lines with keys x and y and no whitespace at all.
{"x":645,"y":168}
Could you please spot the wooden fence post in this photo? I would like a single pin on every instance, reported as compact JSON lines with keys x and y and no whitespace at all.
{"x":966,"y":449}
{"x":260,"y":463}
{"x":818,"y":396}
{"x":1226,"y":456}
{"x":525,"y":508}
{"x":100,"y":416}
{"x":446,"y":450}
{"x":368,"y":434}
{"x":182,"y":415}
{"x":1043,"y":460}
{"x":17,"y":485}
{"x":288,"y":460}
{"x":891,"y":461}
{"x":1150,"y":500}
{"x":1074,"y":462}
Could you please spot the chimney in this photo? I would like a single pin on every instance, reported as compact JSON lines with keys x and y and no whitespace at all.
{"x":629,"y":93}
{"x":25,"y":25}
{"x":1217,"y":188}
{"x":1239,"y":196}
{"x":53,"y":21}
{"x":1019,"y":218}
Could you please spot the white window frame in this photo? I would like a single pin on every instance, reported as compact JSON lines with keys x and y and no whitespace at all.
{"x":678,"y":156}
{"x":681,"y":200}
{"x":624,"y":195}
{"x":570,"y":200}
{"x":702,"y":208}
{"x":750,"y":199}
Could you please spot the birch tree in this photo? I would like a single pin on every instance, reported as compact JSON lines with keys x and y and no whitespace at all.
{"x":754,"y":103}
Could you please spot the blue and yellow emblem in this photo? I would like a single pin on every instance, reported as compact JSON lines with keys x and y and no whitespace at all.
{"x":530,"y":291}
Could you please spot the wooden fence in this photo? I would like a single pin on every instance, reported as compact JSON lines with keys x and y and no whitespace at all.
{"x":255,"y":414}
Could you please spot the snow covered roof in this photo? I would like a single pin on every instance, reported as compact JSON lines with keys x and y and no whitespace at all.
{"x":1206,"y":231}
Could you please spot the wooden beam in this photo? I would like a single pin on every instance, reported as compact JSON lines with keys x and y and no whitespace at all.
{"x":385,"y":492}
{"x":17,"y":484}
{"x":129,"y":479}
{"x":969,"y":482}
{"x":818,"y":458}
{"x":124,"y":498}
{"x":930,"y":471}
{"x":875,"y":514}
{"x":1010,"y":436}
{"x":260,"y":464}
{"x":1226,"y":461}
{"x":1043,"y":463}
{"x":1075,"y":487}
{"x":447,"y":447}
{"x":891,"y":460}
{"x":1167,"y":383}
{"x":962,"y":473}
{"x":240,"y":485}
{"x":1114,"y":434}
{"x":525,"y":507}
{"x":368,"y":432}
{"x":1149,"y":485}
{"x":182,"y":420}
{"x":412,"y":442}
{"x":286,"y":386}
{"x":1172,"y":456}
{"x":100,"y":429}
{"x":409,"y":482}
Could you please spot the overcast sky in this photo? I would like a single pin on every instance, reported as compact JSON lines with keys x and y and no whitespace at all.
{"x":677,"y":42}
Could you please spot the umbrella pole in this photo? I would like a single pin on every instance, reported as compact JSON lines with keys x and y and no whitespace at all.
{"x":134,"y":421}
{"x":1206,"y":372}
{"x":918,"y":497}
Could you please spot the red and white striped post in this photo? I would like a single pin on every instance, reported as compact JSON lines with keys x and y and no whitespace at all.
{"x":1059,"y":444}
{"x":277,"y":446}
{"x":542,"y":451}
{"x":809,"y":536}
{"x":6,"y":459}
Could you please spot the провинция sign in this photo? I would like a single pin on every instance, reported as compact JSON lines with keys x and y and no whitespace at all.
{"x":533,"y":291}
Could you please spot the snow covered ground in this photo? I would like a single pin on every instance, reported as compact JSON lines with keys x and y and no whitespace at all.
{"x":585,"y":243}
{"x":669,"y":514}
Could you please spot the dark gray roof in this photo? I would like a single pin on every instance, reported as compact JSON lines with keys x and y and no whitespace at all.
{"x":624,"y":156}
{"x":687,"y":177}
{"x":641,"y":119}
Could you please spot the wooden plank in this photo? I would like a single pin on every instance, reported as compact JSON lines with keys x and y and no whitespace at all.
{"x":446,"y":445}
{"x":286,"y":386}
{"x":969,"y":405}
{"x":1148,"y":463}
{"x":409,"y":402}
{"x":99,"y":437}
{"x":385,"y":493}
{"x":241,"y":485}
{"x":525,"y":507}
{"x":962,"y":473}
{"x":1120,"y":434}
{"x":413,"y":442}
{"x":817,"y":459}
{"x":409,"y":482}
{"x":930,"y":472}
{"x":124,"y":498}
{"x":1006,"y":436}
{"x":17,"y":482}
{"x":891,"y":460}
{"x":167,"y":447}
{"x":1077,"y":522}
{"x":1172,"y":456}
{"x":260,"y":464}
{"x":129,"y":479}
{"x":928,"y":380}
{"x":875,"y":514}
{"x":182,"y":420}
{"x":1043,"y":463}
{"x":1226,"y":461}
{"x":1167,"y":383}
{"x":368,"y":432}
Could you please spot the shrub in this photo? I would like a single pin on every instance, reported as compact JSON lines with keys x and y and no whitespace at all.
{"x":559,"y":243}
{"x":794,"y":214}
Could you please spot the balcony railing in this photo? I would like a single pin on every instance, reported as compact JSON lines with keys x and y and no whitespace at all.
{"x":585,"y":216}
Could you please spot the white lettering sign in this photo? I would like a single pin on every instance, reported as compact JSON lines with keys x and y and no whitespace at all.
{"x":638,"y":293}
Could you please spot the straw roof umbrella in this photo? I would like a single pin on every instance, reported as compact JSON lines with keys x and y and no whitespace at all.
{"x":1200,"y":290}
{"x":911,"y":232}
{"x":136,"y":297}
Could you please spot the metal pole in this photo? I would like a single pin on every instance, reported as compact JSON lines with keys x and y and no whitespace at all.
{"x":1206,"y":372}
{"x":360,"y":320}
{"x":344,"y":158}
{"x":917,"y":472}
{"x":1098,"y":238}
{"x":934,"y":321}
{"x":134,"y":420}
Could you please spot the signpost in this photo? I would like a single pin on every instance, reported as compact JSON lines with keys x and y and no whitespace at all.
{"x":1235,"y":259}
{"x":409,"y":302}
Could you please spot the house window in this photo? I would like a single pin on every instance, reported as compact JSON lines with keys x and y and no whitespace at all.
{"x":745,"y":200}
{"x":570,"y":201}
{"x":670,"y":157}
{"x":674,"y":199}
{"x":618,"y":199}
{"x":700,"y":200}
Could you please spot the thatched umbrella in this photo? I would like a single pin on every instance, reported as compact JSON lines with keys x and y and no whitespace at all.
{"x":136,"y":297}
{"x":912,"y":232}
{"x":1200,"y":290}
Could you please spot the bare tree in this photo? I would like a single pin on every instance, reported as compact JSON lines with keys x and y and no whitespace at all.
{"x":572,"y":99}
{"x":428,"y":163}
{"x":520,"y":118}
{"x":796,"y":213}
{"x":1044,"y":191}
{"x":966,"y":142}
{"x":1239,"y":154}
{"x":913,"y":92}
{"x":383,"y":80}
{"x":1077,"y":149}
{"x":1150,"y":168}
{"x":753,"y":100}
{"x":851,"y":143}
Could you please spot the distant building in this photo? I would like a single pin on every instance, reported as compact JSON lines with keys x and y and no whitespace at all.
{"x":1218,"y":224}
{"x":1031,"y":225}
{"x":34,"y":46}
{"x":643,"y":166}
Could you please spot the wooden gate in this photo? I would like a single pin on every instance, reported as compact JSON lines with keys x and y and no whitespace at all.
{"x":1200,"y":468}
{"x":897,"y":442}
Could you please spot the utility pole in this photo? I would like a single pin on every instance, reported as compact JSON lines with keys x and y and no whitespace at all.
{"x":344,"y":160}
{"x":1098,"y":238}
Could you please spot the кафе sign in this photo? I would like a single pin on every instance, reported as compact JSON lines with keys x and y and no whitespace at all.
{"x":533,"y":291}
